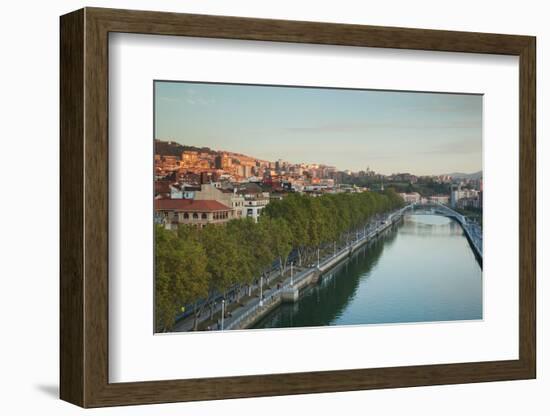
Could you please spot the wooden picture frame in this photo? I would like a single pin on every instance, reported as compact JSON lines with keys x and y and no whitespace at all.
{"x":84,"y":207}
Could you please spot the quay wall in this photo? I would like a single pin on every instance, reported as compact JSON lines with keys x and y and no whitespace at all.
{"x":477,"y":253}
{"x":259,"y":313}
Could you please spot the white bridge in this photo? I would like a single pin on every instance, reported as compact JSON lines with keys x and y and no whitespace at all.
{"x":471,"y":229}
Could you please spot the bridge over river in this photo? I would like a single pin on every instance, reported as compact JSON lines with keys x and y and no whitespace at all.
{"x":471,"y":229}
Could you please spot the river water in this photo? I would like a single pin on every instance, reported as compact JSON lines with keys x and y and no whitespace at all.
{"x":420,"y":270}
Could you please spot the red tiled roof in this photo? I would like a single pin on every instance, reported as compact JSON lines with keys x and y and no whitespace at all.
{"x":189,"y":205}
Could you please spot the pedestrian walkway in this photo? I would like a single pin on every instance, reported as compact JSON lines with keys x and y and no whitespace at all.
{"x":187,"y":323}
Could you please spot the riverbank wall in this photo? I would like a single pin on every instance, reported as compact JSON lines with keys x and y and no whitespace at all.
{"x":475,"y":244}
{"x":476,"y":250}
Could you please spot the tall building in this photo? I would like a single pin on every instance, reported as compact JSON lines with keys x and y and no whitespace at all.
{"x":223,"y":161}
{"x":189,"y":158}
{"x":455,"y":194}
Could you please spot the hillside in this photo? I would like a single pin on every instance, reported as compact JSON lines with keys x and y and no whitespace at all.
{"x":459,"y":175}
{"x":171,"y":148}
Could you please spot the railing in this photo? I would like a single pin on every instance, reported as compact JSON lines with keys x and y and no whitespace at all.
{"x":472,"y":231}
{"x":266,"y":302}
{"x":269,"y":299}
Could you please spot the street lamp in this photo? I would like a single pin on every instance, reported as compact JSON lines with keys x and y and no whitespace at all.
{"x":261,"y":290}
{"x":318,"y":263}
{"x":223,"y":312}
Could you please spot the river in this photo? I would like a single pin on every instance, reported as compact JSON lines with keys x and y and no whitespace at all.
{"x":420,"y":270}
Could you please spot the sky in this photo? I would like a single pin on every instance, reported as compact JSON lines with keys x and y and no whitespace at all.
{"x":387,"y":131}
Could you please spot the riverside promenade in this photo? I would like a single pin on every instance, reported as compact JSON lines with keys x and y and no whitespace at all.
{"x":288,"y":290}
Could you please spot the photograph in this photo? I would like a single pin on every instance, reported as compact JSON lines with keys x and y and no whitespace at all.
{"x":286,"y":206}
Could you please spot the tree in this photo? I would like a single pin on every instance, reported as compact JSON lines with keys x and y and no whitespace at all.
{"x":293,"y":210}
{"x":224,"y":262}
{"x":255,"y":255}
{"x":180,"y":270}
{"x":279,"y":239}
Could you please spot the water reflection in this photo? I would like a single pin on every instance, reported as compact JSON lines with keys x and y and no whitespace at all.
{"x":421,"y":270}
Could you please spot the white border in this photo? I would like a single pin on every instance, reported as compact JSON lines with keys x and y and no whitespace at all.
{"x":136,"y":355}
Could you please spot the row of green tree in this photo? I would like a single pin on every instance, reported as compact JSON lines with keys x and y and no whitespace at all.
{"x":193,"y":266}
{"x":425,"y":187}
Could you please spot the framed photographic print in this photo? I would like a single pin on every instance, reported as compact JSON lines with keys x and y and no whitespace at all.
{"x":255,"y":207}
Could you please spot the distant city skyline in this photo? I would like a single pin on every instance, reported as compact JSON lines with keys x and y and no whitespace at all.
{"x":390,"y":132}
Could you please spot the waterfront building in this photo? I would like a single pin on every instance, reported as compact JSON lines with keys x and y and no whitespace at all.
{"x":173,"y":212}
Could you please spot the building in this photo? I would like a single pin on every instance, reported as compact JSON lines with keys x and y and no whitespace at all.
{"x":169,"y":163}
{"x":439,"y":199}
{"x":176,"y":191}
{"x":469,"y":202}
{"x":455,"y":194}
{"x":245,"y":170}
{"x":255,"y":200}
{"x":403,"y":177}
{"x":223,"y":161}
{"x":228,"y":197}
{"x":255,"y":204}
{"x":189,"y":158}
{"x":411,"y":197}
{"x":181,"y":191}
{"x":162,"y":189}
{"x":173,"y":212}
